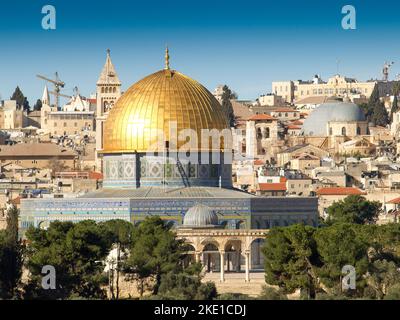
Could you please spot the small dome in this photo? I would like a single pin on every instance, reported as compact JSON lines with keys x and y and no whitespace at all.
{"x":316,"y":123}
{"x":200,"y":216}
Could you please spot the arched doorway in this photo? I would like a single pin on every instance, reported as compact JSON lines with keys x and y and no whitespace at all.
{"x":257,"y":257}
{"x":211,"y":259}
{"x":190,"y":255}
{"x":233,"y":256}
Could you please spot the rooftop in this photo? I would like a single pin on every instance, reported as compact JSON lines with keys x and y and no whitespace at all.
{"x":159,"y":192}
{"x":257,"y":117}
{"x":339,"y":191}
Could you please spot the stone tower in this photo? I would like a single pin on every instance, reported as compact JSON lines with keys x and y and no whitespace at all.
{"x":108,"y":90}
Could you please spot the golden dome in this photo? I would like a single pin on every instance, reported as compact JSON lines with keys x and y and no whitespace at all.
{"x":151,"y":103}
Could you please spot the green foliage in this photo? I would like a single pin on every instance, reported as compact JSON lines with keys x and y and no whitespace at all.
{"x":354,"y":209}
{"x":22,"y":101}
{"x":376,"y":111}
{"x":269,"y":293}
{"x":290,"y":258}
{"x":227,"y":95}
{"x":393,"y":293}
{"x":185,"y":286}
{"x":11,"y":251}
{"x":233,"y":296}
{"x":38,"y":105}
{"x":155,"y":251}
{"x":340,"y":245}
{"x":74,"y":250}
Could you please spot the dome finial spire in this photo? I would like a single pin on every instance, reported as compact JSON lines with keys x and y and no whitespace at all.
{"x":166,"y":58}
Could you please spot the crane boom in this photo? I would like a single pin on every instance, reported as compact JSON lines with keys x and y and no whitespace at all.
{"x":57,"y":85}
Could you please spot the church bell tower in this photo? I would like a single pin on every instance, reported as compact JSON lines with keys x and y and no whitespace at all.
{"x":108,"y":90}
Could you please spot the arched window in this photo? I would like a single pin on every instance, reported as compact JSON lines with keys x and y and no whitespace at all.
{"x":330,"y":131}
{"x":102,"y":89}
{"x":358,"y":130}
{"x":106,"y":89}
{"x":286,"y":114}
{"x":343,"y":131}
{"x":114,"y":90}
{"x":266,"y":133}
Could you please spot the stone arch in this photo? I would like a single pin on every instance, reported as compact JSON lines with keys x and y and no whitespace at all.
{"x":256,"y":255}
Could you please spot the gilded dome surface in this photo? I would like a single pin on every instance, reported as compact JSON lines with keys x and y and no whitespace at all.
{"x":150,"y":104}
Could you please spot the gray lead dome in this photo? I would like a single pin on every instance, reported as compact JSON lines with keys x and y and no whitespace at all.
{"x":200,"y":216}
{"x":316,"y":123}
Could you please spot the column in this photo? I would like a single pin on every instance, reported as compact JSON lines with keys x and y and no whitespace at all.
{"x":197,"y":256}
{"x":247,"y":257}
{"x":238,"y":260}
{"x":222,"y":258}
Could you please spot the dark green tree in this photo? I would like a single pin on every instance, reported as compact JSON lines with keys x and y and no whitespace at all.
{"x":354,"y":209}
{"x":75,"y":251}
{"x":38,"y":105}
{"x":19,"y":97}
{"x":155,"y":251}
{"x":377,"y":112}
{"x":11,"y":251}
{"x":185,"y":285}
{"x":227,"y":96}
{"x":291,"y":259}
{"x":337,"y":246}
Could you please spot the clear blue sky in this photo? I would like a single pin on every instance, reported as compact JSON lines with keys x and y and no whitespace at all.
{"x":245,"y":44}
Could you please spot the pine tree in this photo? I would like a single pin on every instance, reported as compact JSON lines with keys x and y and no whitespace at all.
{"x":227,"y":95}
{"x":376,"y":111}
{"x":19,"y":97}
{"x":38,"y":105}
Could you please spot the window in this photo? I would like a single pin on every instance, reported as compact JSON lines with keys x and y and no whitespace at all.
{"x":259,"y":135}
{"x":358,"y":130}
{"x":343,"y":131}
{"x":266,"y":133}
{"x":75,"y":124}
{"x":65,"y":124}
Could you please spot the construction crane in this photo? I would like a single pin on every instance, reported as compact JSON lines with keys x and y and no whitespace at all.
{"x":385,"y":70}
{"x":57,"y":85}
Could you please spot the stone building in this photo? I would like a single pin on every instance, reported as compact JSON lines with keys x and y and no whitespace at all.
{"x":261,"y":135}
{"x":144,"y":178}
{"x":108,"y":90}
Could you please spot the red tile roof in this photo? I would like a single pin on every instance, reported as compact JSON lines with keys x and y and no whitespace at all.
{"x":292,"y":127}
{"x":297,"y":122}
{"x":95,"y":175}
{"x":281,"y":186}
{"x":261,"y":117}
{"x":259,"y":162}
{"x":339,"y":191}
{"x":282,"y":179}
{"x":395,"y":201}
